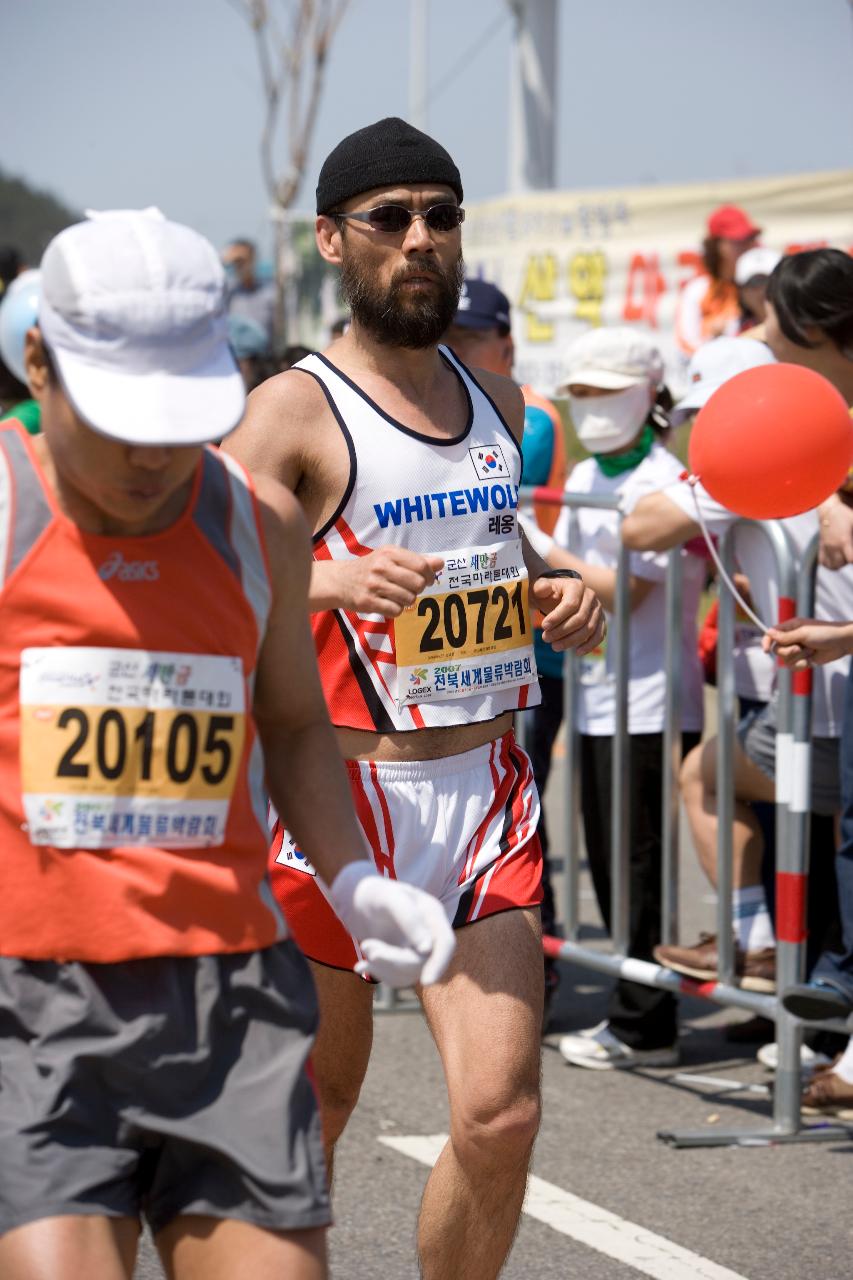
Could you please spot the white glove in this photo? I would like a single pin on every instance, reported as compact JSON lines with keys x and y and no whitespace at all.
{"x":403,"y":931}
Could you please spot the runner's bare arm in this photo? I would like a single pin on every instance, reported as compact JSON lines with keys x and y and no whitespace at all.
{"x":274,"y":437}
{"x":656,"y":524}
{"x":305,"y":774}
{"x":386,"y":581}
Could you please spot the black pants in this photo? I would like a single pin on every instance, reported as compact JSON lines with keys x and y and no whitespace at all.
{"x":642,"y":1017}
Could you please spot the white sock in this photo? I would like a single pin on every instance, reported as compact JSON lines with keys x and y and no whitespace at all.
{"x":844,"y":1065}
{"x":753,"y":926}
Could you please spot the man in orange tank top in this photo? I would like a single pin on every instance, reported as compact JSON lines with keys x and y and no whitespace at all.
{"x":407,"y":467}
{"x":148,"y":594}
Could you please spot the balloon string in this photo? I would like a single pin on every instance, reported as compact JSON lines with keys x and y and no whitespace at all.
{"x":693,"y":481}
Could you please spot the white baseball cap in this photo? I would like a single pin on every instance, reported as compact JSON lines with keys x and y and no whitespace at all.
{"x":612,"y":359}
{"x":713,"y":364}
{"x":759,"y":261}
{"x":132,"y":310}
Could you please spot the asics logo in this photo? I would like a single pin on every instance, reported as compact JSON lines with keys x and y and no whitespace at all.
{"x":115,"y":566}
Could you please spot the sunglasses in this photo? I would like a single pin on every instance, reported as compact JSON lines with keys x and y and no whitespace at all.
{"x":394,"y":218}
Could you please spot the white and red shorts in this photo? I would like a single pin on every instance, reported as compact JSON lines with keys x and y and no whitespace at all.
{"x":462,"y":827}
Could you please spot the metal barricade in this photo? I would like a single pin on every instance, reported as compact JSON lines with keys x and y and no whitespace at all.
{"x":793,"y":750}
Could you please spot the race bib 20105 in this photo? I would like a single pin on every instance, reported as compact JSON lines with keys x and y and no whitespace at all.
{"x":129,"y":747}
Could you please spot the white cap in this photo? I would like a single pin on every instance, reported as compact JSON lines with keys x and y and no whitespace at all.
{"x":612,"y":359}
{"x":133,"y":311}
{"x":755,"y":262}
{"x":713,"y":364}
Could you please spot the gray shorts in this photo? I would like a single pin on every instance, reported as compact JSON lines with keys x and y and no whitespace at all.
{"x":757,"y":735}
{"x":160,"y":1087}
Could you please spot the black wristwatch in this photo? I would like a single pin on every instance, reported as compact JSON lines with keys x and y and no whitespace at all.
{"x":561,"y":573}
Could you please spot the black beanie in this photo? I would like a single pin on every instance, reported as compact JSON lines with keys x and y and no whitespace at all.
{"x":383,"y":155}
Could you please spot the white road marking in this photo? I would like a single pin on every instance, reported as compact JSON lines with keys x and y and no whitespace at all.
{"x":607,"y":1233}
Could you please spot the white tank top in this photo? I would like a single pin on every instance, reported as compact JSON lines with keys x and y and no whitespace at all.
{"x":462,"y":653}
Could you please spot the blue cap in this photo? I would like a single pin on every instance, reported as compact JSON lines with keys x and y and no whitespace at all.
{"x":247,"y":338}
{"x":482,"y":306}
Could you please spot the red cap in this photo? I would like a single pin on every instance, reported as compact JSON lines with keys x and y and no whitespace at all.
{"x":730,"y":222}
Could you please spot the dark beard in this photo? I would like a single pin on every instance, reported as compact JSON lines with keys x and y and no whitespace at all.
{"x":415,"y":323}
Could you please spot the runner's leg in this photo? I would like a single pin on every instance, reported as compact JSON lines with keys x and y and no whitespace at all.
{"x":485,"y":1017}
{"x":69,"y":1247}
{"x":198,"y":1247}
{"x":342,"y":1048}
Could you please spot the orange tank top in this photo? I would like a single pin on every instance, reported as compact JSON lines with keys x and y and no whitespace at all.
{"x":132,"y":802}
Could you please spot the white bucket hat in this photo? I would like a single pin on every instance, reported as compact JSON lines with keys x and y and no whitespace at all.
{"x":713,"y":364}
{"x":612,"y":359}
{"x":759,"y":261}
{"x":133,"y":311}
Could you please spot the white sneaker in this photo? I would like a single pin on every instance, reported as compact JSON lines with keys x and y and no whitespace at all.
{"x":768,"y":1056}
{"x":601,"y":1050}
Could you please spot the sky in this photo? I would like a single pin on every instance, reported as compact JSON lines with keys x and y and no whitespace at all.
{"x":125,"y":103}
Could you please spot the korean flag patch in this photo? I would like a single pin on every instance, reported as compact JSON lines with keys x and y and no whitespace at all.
{"x":489,"y":462}
{"x":291,"y":856}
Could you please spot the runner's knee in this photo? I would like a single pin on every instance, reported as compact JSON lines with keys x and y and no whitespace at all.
{"x":487,"y":1129}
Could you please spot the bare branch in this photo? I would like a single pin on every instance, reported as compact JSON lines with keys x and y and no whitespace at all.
{"x":292,"y":52}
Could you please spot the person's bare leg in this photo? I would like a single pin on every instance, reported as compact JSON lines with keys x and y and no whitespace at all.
{"x":196,"y":1247}
{"x":699,"y":793}
{"x":486,"y":1018}
{"x":342,"y":1048}
{"x":69,"y":1247}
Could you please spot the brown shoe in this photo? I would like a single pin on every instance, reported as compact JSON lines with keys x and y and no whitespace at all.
{"x":827,"y":1094}
{"x":754,"y":970}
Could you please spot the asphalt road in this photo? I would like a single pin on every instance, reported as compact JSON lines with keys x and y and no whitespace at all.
{"x":782,"y":1212}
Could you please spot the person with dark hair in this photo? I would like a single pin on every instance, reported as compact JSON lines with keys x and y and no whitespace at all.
{"x":157,"y":681}
{"x":709,"y":305}
{"x":752,"y":274}
{"x":249,"y":298}
{"x":810,"y":314}
{"x":408,"y":466}
{"x":810,"y":322}
{"x":663,"y":520}
{"x":618,"y":402}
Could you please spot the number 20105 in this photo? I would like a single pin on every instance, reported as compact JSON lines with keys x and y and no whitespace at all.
{"x":111,"y":746}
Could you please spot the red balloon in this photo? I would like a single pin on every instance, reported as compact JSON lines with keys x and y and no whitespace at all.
{"x":772,"y":441}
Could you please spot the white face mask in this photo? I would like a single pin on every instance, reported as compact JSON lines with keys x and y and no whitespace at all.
{"x":604,"y":424}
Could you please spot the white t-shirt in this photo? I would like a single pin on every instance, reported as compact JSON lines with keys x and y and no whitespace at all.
{"x":597,"y":543}
{"x":833,"y":591}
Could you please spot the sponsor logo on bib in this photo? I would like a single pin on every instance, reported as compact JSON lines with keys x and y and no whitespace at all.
{"x":115,"y":566}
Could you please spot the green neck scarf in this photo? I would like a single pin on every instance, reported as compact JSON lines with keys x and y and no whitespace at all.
{"x":614,"y":464}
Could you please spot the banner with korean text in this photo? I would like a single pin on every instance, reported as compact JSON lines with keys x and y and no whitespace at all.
{"x":568,"y":260}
